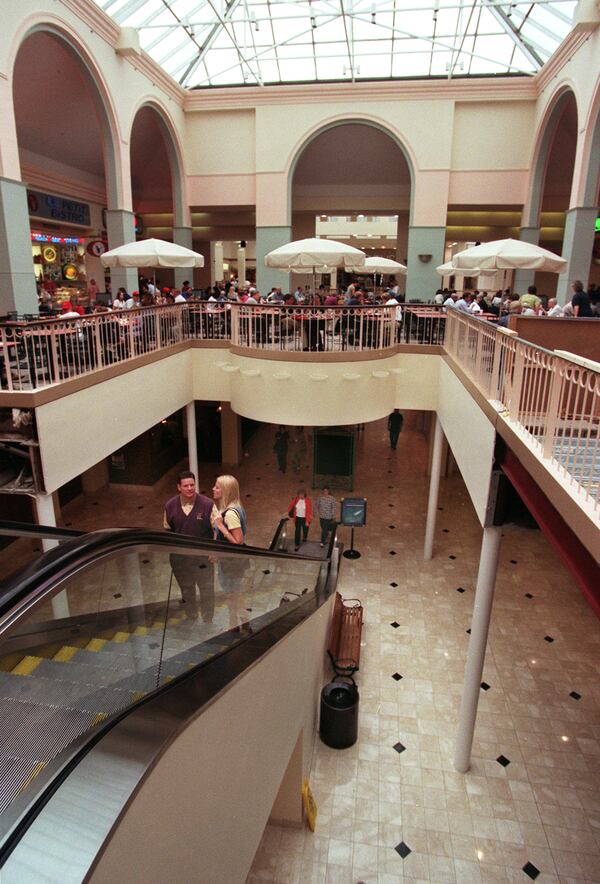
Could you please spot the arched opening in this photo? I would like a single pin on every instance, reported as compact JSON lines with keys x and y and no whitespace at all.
{"x":155,"y":174}
{"x":68,"y":163}
{"x":556,"y":183}
{"x":352,"y":182}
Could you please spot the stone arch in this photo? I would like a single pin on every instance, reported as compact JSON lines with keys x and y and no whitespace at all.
{"x":116,"y":190}
{"x":175,"y":154}
{"x":541,"y":154}
{"x":343,"y":120}
{"x":591,"y":154}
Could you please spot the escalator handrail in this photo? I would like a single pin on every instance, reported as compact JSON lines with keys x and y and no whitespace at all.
{"x":51,"y":568}
{"x":277,"y":535}
{"x":24,"y":529}
{"x":48,"y":782}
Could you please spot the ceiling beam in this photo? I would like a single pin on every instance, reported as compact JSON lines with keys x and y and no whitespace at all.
{"x":515,"y":35}
{"x":209,"y":40}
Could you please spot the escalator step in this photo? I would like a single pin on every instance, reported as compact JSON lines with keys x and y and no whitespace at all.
{"x":95,"y":644}
{"x":27,"y":665}
{"x":120,"y":637}
{"x":141,"y":630}
{"x":65,"y":654}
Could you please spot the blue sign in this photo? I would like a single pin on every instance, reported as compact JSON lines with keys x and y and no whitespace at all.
{"x":57,"y":208}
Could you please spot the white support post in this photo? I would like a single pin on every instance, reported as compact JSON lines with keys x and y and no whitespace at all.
{"x":190,"y":419}
{"x":482,"y":610}
{"x":434,"y":489}
{"x":44,"y":507}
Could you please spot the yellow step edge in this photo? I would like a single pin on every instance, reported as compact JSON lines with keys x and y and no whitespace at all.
{"x":138,"y":696}
{"x":141,"y":630}
{"x":120,"y":637}
{"x":27,"y":665}
{"x":98,"y":718}
{"x":158,"y":624}
{"x":65,"y":654}
{"x":96,"y":644}
{"x":36,"y":770}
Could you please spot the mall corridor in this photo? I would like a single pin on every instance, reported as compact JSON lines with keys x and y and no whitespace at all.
{"x":392,"y":807}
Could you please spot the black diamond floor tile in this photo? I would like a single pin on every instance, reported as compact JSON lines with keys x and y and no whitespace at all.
{"x":528,"y":595}
{"x":575,"y":695}
{"x":396,"y":676}
{"x":399,"y":748}
{"x":459,"y":588}
{"x":395,"y":624}
{"x":513,"y":561}
{"x":531,"y":871}
{"x":402,"y":849}
{"x":485,"y":686}
{"x":394,"y":585}
{"x":392,"y":552}
{"x":446,"y":530}
{"x":451,"y":557}
{"x":549,"y":639}
{"x":391,"y":527}
{"x":468,"y":631}
{"x":503,"y":760}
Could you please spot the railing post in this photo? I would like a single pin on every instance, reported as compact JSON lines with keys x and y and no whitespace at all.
{"x":97,"y":344}
{"x":518,"y":375}
{"x":157,"y":326}
{"x":553,"y":407}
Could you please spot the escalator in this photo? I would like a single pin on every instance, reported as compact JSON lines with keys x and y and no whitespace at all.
{"x":95,"y":631}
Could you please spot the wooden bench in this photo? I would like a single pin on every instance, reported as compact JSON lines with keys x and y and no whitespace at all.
{"x":344,"y":635}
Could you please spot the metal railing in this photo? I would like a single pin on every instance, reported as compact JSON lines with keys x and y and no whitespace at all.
{"x":551,"y":400}
{"x":41,"y":353}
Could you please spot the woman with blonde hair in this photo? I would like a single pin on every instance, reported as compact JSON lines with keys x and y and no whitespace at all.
{"x":230,"y":527}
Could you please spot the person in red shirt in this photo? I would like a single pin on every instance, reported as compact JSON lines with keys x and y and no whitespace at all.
{"x":300,"y":509}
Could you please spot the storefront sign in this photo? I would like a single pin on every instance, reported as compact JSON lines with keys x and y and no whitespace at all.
{"x":97,"y":247}
{"x":57,"y":240}
{"x":56,"y":208}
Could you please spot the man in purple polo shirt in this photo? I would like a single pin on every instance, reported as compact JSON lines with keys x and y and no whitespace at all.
{"x":191,"y":513}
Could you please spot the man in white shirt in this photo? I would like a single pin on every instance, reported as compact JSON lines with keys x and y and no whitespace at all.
{"x":554,"y":308}
{"x":179,"y":297}
{"x":463,"y":304}
{"x":449,"y":302}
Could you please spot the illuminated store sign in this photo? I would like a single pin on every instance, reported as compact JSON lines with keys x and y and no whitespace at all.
{"x":58,"y":240}
{"x":55,"y":208}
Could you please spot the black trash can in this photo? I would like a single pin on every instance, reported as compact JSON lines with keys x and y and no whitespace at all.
{"x":338,"y":725}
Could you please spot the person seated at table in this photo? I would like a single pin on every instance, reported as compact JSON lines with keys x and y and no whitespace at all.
{"x":475,"y":305}
{"x":554,"y":308}
{"x":450,"y":301}
{"x":463,"y":303}
{"x":67,"y":311}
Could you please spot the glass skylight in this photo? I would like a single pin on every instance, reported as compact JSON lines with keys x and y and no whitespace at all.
{"x":236,"y":42}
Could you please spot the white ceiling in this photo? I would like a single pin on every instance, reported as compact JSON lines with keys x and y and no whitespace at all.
{"x":203,"y":43}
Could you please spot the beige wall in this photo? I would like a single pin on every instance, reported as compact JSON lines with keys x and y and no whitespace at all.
{"x":200,"y":812}
{"x":470,"y":435}
{"x":81,"y":429}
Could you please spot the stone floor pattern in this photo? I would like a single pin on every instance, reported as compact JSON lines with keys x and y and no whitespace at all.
{"x":392,"y":807}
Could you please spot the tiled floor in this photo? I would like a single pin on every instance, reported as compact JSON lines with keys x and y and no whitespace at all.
{"x":392,"y":807}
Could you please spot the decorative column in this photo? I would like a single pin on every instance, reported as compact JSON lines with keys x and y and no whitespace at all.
{"x":267,"y":239}
{"x":120,"y":227}
{"x":182,"y":236}
{"x":190,"y":425}
{"x":216,"y":263}
{"x":425,"y":252}
{"x":231,"y":436}
{"x":434,"y":488}
{"x":44,"y":507}
{"x":480,"y":624}
{"x":17,"y":277}
{"x":525,"y":278}
{"x":578,"y":244}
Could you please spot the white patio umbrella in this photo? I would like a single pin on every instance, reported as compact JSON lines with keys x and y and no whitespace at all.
{"x":315,"y":255}
{"x":448,"y":269}
{"x":383,"y":265}
{"x":151,"y":253}
{"x":508,"y":254}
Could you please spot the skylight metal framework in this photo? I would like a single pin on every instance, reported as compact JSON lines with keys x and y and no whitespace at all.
{"x":203,"y":43}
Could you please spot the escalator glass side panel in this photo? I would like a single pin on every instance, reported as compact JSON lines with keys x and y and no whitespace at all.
{"x":119,"y":628}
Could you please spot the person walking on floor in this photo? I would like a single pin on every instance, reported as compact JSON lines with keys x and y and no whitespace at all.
{"x":280,"y":448}
{"x":192,"y":513}
{"x":300,"y":509}
{"x":395,"y":421}
{"x":326,"y":510}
